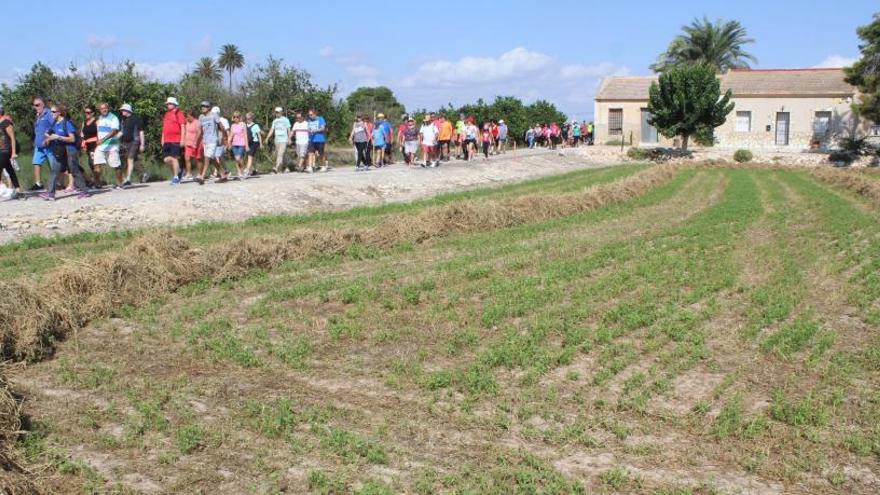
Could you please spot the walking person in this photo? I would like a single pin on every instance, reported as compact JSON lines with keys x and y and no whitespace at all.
{"x":132,"y":140}
{"x":388,"y":152}
{"x":317,"y":140}
{"x":280,"y":130}
{"x":238,"y":142}
{"x":173,"y":131}
{"x":8,"y":151}
{"x":300,"y":133}
{"x":410,"y":137}
{"x":487,"y":140}
{"x":43,"y":123}
{"x":107,"y":149}
{"x":501,"y":144}
{"x":61,"y":143}
{"x":471,"y":131}
{"x":255,"y":138}
{"x":220,"y":152}
{"x":360,"y":139}
{"x":444,"y":136}
{"x":379,"y":144}
{"x":428,"y":139}
{"x":192,"y":152}
{"x":210,"y":124}
{"x":89,"y":141}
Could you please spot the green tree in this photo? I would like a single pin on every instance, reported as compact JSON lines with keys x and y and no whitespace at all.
{"x":371,"y":101}
{"x":865,"y":73}
{"x":688,"y":102}
{"x":207,"y":69}
{"x":231,"y":60}
{"x":718,"y":45}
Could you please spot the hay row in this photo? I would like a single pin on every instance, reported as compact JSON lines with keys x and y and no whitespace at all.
{"x":852,"y":181}
{"x":156,"y":265}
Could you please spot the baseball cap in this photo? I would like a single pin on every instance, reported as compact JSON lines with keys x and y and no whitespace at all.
{"x":279,"y":109}
{"x":216,"y":110}
{"x":205,"y":104}
{"x":380,"y":116}
{"x":501,"y":121}
{"x":172,"y":100}
{"x":125,"y":108}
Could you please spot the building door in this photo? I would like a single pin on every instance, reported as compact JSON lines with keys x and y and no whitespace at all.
{"x":649,"y":132}
{"x":782,"y":121}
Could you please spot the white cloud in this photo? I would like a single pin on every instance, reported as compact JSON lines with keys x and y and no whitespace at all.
{"x":203,"y":45}
{"x":520,"y":72}
{"x":162,"y":71}
{"x":96,"y":41}
{"x":835,"y":61}
{"x":362,"y":70}
{"x":515,"y":63}
{"x":327,"y":51}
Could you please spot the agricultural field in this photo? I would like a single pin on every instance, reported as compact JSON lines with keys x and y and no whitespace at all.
{"x":632,"y":329}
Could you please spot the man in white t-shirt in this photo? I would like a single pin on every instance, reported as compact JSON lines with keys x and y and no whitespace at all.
{"x":428,"y":139}
{"x":280,"y":129}
{"x":301,"y":138}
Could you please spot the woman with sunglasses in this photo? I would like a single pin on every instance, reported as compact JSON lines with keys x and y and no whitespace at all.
{"x":62,"y":141}
{"x":89,"y":136}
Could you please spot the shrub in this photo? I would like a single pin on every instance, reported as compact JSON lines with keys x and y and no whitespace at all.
{"x":844,"y":157}
{"x":638,"y":154}
{"x":743,"y":156}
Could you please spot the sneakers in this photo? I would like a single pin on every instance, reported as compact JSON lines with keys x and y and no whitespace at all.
{"x":309,"y":170}
{"x":199,"y":180}
{"x":127,"y":183}
{"x":48,"y":197}
{"x":323,"y":169}
{"x":118,"y":187}
{"x":221,"y":179}
{"x":175,"y":181}
{"x":36,"y":187}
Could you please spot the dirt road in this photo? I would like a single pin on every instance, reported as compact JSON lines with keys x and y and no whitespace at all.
{"x":157,"y":204}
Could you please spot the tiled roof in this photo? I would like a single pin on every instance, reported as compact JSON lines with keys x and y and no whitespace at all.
{"x":771,"y":82}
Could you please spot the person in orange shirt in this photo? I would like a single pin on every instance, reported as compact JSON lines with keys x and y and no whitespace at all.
{"x":444,"y":136}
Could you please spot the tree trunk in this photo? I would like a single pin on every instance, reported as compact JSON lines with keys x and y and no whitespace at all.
{"x":230,"y":81}
{"x":684,"y":141}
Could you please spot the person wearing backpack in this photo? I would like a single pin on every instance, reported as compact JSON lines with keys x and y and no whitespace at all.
{"x":61,"y":140}
{"x":255,"y":138}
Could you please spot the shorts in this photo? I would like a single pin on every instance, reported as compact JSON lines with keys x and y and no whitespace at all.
{"x":471,"y":141}
{"x":429,"y":148}
{"x":131,"y":150}
{"x":169,"y":150}
{"x":41,"y":156}
{"x":316,"y":148}
{"x":193,"y":152}
{"x":219,"y":151}
{"x":379,"y":148}
{"x":238,"y":151}
{"x":302,"y":150}
{"x":501,"y":141}
{"x":253,"y":148}
{"x":411,"y":147}
{"x":444,"y":142}
{"x":110,"y":157}
{"x":209,"y":150}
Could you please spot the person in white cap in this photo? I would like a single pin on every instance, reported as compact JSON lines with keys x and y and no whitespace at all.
{"x":501,"y":140}
{"x":132,"y":140}
{"x":173,"y":130}
{"x":222,"y":136}
{"x":281,"y":131}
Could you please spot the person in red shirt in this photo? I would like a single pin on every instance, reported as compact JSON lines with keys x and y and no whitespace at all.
{"x":173,"y":130}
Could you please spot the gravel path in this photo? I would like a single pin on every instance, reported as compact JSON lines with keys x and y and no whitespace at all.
{"x":162,"y":204}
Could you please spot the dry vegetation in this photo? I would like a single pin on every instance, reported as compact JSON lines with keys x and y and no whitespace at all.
{"x":659,"y":330}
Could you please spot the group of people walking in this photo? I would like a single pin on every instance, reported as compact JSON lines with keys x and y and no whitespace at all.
{"x":436,"y":139}
{"x":570,"y":134}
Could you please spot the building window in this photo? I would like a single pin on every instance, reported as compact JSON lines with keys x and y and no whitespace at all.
{"x":615,"y":122}
{"x":743,"y":121}
{"x":822,"y":124}
{"x":875,"y":130}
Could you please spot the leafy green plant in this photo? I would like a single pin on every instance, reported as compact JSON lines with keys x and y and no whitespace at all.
{"x":742,"y":156}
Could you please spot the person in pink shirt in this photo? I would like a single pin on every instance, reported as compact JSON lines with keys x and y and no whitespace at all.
{"x":238,"y":142}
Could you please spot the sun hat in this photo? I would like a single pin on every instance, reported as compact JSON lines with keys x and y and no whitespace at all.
{"x":501,"y":121}
{"x":205,"y":104}
{"x":380,"y":116}
{"x":216,"y":110}
{"x":126,"y":108}
{"x":279,"y":109}
{"x":172,"y":100}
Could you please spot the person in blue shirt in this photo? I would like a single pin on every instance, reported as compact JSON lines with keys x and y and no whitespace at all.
{"x":317,"y":139}
{"x":43,"y":124}
{"x":387,"y":158}
{"x":379,"y":142}
{"x":61,"y":145}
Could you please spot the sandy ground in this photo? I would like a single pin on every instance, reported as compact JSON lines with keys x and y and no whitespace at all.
{"x":158,"y":204}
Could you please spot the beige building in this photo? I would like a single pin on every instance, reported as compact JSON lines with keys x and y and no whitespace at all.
{"x":778,"y":109}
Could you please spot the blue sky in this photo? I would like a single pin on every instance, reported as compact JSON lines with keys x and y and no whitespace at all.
{"x":453,"y":51}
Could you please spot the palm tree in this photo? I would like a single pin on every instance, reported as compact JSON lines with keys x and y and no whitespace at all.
{"x":230,"y":59}
{"x":208,"y":69}
{"x":718,"y":45}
